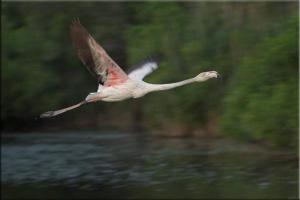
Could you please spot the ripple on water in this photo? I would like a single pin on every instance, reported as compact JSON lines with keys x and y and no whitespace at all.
{"x":88,"y":161}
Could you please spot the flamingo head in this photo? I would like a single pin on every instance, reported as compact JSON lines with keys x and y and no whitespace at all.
{"x":207,"y":75}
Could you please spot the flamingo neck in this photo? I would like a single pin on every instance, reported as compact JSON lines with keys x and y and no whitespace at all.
{"x":168,"y":86}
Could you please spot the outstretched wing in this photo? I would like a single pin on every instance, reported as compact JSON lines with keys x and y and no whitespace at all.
{"x":143,"y":69}
{"x":95,"y":58}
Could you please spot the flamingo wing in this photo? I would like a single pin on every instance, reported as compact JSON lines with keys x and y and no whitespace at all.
{"x":143,"y":69}
{"x":95,"y":57}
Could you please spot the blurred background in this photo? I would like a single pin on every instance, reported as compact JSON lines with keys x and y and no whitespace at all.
{"x":233,"y":138}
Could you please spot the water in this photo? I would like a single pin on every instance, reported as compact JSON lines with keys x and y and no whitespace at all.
{"x":121,"y":165}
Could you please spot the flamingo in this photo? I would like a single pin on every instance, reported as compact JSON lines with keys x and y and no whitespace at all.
{"x":114,"y":83}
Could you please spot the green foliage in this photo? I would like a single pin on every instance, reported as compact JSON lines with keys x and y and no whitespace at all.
{"x":25,"y":77}
{"x":252,"y":45}
{"x":263,"y":99}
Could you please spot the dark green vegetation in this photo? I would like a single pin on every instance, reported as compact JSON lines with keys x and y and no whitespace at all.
{"x":253,"y":45}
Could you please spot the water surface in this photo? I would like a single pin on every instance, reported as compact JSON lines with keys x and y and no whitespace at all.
{"x":121,"y":165}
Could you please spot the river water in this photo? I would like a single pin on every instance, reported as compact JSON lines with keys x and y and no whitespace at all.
{"x":122,"y":165}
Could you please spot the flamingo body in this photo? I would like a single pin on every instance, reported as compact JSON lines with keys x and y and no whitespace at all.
{"x":114,"y":83}
{"x":137,"y":88}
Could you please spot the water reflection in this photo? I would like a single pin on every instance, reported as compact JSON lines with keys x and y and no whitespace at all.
{"x":95,"y":165}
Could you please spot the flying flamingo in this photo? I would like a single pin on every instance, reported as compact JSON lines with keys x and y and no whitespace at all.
{"x":114,"y":83}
